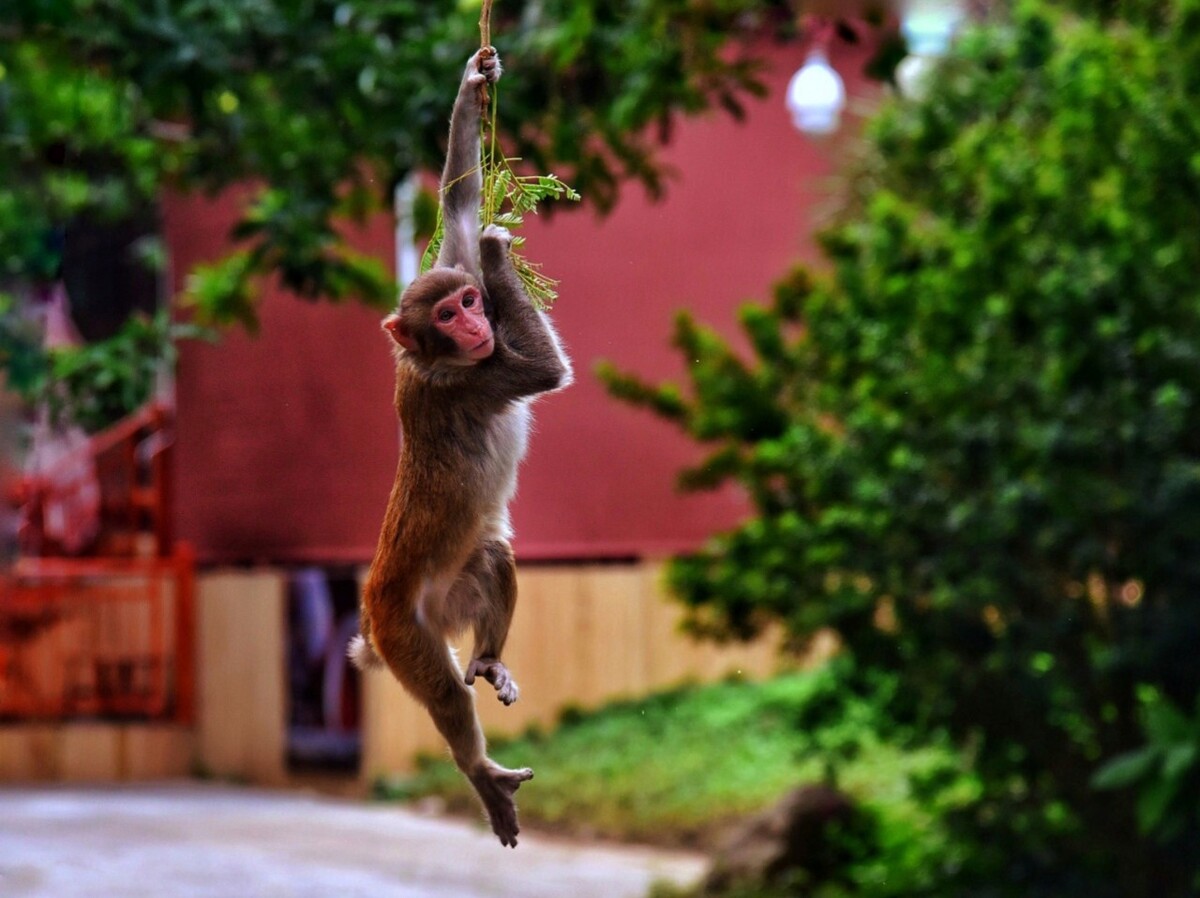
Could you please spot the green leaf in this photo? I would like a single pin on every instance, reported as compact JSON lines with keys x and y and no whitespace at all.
{"x":1153,"y":803}
{"x":1127,"y":769}
{"x":220,"y":293}
{"x":1180,"y":760}
{"x":1166,"y":724}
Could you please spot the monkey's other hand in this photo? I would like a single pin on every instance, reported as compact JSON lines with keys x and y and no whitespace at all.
{"x":496,"y":785}
{"x":484,"y":67}
{"x":498,"y":233}
{"x":495,"y":673}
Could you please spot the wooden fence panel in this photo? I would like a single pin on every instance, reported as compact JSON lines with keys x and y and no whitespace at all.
{"x":582,"y":635}
{"x":94,"y":751}
{"x":242,"y":674}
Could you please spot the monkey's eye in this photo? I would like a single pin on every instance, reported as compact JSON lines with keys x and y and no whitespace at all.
{"x":468,"y":300}
{"x":445,"y":315}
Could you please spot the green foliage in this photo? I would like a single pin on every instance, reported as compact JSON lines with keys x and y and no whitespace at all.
{"x":510,"y":197}
{"x":1166,"y":771}
{"x":21,"y":354}
{"x":99,"y":383}
{"x":674,"y":768}
{"x":973,"y":451}
{"x":321,"y":107}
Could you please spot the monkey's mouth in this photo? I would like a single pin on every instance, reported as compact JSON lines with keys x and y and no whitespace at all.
{"x":484,"y":349}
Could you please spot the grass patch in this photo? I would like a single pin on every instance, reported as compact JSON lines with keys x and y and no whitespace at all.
{"x":675,"y":768}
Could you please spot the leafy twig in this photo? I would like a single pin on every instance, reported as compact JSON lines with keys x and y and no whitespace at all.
{"x":507,"y":197}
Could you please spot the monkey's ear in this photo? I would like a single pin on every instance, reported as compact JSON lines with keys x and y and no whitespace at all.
{"x":394,"y":325}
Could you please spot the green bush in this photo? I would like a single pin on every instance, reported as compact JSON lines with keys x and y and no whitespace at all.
{"x":974,"y":451}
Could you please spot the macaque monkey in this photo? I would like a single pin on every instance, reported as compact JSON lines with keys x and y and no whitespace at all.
{"x":472,"y":354}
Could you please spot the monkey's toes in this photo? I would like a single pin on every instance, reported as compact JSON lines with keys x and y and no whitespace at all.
{"x":508,"y":780}
{"x":509,"y":694}
{"x":523,"y":775}
{"x":496,"y":786}
{"x":495,"y":673}
{"x":477,"y":668}
{"x":506,"y":830}
{"x":502,"y":814}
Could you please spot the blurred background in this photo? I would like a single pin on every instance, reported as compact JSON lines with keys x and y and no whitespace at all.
{"x":862,"y":556}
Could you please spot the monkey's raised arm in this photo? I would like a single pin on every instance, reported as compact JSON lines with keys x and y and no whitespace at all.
{"x":529,"y":358}
{"x":461,"y":179}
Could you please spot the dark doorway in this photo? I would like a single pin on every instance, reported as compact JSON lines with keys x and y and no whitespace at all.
{"x":324,"y":707}
{"x":111,"y":270}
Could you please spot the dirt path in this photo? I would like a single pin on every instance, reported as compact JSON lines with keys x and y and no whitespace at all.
{"x":188,"y":841}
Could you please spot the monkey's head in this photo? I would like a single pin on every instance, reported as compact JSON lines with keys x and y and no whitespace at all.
{"x":442,"y":319}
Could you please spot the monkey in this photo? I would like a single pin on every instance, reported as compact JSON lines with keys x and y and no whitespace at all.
{"x":471,"y":355}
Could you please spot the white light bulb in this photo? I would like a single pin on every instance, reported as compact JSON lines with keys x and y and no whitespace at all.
{"x":816,"y":95}
{"x":929,"y":25}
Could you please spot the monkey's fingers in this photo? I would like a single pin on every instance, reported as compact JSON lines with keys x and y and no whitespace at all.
{"x":499,"y":233}
{"x":489,"y":64}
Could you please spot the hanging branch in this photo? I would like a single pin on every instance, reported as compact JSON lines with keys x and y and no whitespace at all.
{"x":485,"y":25}
{"x":485,"y":38}
{"x":507,"y":196}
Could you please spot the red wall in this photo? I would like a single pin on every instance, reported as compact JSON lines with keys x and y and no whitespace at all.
{"x":287,"y":441}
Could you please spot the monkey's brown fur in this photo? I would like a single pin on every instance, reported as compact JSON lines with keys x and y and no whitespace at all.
{"x":443,"y":562}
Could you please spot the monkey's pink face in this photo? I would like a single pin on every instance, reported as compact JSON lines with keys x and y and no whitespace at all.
{"x":460,"y":317}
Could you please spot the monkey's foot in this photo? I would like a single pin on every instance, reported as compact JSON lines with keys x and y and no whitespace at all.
{"x":496,"y":785}
{"x":495,"y":673}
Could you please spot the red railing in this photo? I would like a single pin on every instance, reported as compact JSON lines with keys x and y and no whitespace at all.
{"x":109,"y":633}
{"x":98,"y":638}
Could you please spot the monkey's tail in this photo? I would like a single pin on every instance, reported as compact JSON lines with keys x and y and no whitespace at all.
{"x":362,"y":654}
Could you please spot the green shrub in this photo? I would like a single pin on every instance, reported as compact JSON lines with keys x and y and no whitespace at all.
{"x":974,"y":451}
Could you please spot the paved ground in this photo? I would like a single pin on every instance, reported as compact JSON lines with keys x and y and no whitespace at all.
{"x":188,"y":841}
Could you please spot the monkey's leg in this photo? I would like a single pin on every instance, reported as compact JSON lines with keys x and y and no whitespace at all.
{"x":492,"y":575}
{"x":423,"y":664}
